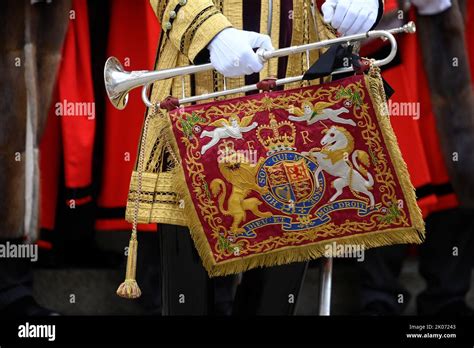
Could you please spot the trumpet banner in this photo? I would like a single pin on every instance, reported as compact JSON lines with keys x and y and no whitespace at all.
{"x":279,"y":176}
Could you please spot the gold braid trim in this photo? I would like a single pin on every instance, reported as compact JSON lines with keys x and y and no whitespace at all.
{"x":264,"y":30}
{"x":275,"y":36}
{"x":294,"y":65}
{"x":186,"y":18}
{"x":159,"y":7}
{"x":165,"y":15}
{"x":218,"y":78}
{"x":206,"y":32}
{"x":195,"y":24}
{"x":379,"y":100}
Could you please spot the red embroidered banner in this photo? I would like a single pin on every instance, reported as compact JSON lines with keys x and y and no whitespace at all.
{"x":279,"y":177}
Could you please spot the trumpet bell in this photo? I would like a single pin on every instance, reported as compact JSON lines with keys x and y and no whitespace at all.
{"x":114,"y":74}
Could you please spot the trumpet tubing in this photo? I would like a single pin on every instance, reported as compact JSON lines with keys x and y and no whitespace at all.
{"x":118,"y":82}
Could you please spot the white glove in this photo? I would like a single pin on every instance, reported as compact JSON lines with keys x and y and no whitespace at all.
{"x":350,"y":17}
{"x":231,"y":51}
{"x":431,"y":7}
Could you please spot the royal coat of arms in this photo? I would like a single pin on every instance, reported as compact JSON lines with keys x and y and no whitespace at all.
{"x":273,"y":177}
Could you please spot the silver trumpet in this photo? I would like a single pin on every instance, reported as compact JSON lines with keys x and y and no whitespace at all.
{"x":118,"y":82}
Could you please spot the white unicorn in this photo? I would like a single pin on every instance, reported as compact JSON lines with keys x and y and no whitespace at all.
{"x":333,"y":158}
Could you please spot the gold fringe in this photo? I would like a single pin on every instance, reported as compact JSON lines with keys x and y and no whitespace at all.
{"x":314,"y":251}
{"x":405,"y":235}
{"x":377,"y":94}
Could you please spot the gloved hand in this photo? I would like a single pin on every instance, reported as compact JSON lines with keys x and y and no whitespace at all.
{"x":431,"y":7}
{"x":350,"y":17}
{"x":231,"y":51}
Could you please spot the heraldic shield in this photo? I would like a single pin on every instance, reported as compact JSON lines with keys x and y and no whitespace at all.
{"x":275,"y":177}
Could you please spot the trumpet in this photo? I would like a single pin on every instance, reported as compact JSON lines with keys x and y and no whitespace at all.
{"x":118,"y":82}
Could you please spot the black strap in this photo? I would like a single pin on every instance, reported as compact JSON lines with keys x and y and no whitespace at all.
{"x":389,"y":91}
{"x":336,"y":57}
{"x":329,"y":61}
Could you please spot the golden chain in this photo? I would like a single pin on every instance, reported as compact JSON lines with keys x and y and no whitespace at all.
{"x":141,"y":159}
{"x":170,"y":150}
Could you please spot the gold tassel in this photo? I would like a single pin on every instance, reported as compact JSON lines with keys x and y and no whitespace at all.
{"x":129,"y":288}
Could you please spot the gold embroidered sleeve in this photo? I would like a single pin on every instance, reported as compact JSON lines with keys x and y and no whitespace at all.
{"x":190,"y":25}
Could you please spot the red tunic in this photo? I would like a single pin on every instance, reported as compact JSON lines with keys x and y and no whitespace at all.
{"x":71,"y":123}
{"x":418,"y":139}
{"x":133,"y":39}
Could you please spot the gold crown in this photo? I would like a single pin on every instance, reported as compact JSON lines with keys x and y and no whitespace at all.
{"x":277,"y":136}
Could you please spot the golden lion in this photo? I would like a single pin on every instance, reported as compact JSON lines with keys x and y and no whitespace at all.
{"x":236,"y":169}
